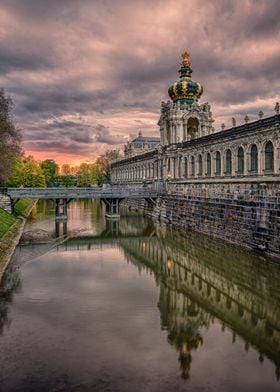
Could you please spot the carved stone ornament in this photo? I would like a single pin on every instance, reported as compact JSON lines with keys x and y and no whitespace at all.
{"x":186,"y":59}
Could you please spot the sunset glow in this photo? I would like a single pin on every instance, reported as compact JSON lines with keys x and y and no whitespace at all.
{"x":85,"y":76}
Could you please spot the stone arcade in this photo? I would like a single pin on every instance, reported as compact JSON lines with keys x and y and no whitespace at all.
{"x":225,"y":183}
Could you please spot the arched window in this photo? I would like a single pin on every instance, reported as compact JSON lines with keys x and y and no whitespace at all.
{"x":208,"y":164}
{"x":168,"y":166}
{"x":228,"y":162}
{"x":269,"y":156}
{"x":192,"y":128}
{"x":200,"y":165}
{"x":218,"y":163}
{"x":186,"y":167}
{"x":240,"y":161}
{"x":192,"y":166}
{"x":254,"y":158}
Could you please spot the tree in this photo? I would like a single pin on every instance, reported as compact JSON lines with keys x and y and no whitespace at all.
{"x":65,"y":170}
{"x":10,"y":138}
{"x":50,"y":170}
{"x":87,"y":174}
{"x":66,"y":180}
{"x":16,"y":178}
{"x":26,"y":172}
{"x":104,"y":165}
{"x":34,"y":175}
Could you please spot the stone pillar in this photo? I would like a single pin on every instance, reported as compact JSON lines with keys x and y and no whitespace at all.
{"x":174,"y":131}
{"x":112,"y":208}
{"x":234,"y":161}
{"x":160,"y":169}
{"x":180,"y":131}
{"x":184,"y":135}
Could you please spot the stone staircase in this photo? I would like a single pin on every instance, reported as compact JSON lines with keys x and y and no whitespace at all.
{"x":5,"y":203}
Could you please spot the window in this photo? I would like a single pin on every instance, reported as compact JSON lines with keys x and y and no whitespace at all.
{"x":218,"y":163}
{"x":186,"y":167}
{"x":192,"y":166}
{"x":228,"y":162}
{"x":254,"y":158}
{"x":269,"y":158}
{"x":179,"y":167}
{"x":240,"y":161}
{"x":200,"y":165}
{"x":192,"y":128}
{"x":208,"y":165}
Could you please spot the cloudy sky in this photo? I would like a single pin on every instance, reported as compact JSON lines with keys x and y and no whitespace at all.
{"x":86,"y":75}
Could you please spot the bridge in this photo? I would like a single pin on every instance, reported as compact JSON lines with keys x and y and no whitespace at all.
{"x":111,"y":197}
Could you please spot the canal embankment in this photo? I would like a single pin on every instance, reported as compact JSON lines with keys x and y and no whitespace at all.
{"x":11,"y":229}
{"x":241,"y":212}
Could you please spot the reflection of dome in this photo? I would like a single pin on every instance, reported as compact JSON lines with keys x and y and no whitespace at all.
{"x":185,"y":91}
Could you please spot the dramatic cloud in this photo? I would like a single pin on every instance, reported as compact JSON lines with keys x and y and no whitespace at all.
{"x":86,"y":75}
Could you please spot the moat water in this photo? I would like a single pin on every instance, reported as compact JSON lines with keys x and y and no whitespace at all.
{"x":135,"y":306}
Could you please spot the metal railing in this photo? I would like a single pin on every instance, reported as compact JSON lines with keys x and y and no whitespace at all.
{"x":81,"y":193}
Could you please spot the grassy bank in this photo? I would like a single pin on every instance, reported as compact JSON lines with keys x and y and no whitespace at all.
{"x":6,"y":221}
{"x":23,"y":206}
{"x":11,"y":229}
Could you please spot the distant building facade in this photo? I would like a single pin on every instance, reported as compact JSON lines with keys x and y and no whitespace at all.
{"x":222,"y":183}
{"x":140,"y":145}
{"x":190,"y":148}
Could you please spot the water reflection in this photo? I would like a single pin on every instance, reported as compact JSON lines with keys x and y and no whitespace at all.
{"x":200,"y":281}
{"x":10,"y":285}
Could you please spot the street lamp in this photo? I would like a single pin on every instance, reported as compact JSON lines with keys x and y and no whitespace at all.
{"x":167,"y":180}
{"x":144,"y":182}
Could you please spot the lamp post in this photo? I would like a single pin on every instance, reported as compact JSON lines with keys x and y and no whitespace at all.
{"x":167,"y":180}
{"x":144,"y":182}
{"x":156,"y":183}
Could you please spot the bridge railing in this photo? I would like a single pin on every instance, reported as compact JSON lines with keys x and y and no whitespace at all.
{"x":3,"y":190}
{"x":56,"y":193}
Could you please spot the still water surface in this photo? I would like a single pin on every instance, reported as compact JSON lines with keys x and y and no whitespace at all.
{"x":134,"y":306}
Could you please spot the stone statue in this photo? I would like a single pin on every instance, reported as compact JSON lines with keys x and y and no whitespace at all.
{"x":186,"y":59}
{"x":233,"y":122}
{"x":276,"y":108}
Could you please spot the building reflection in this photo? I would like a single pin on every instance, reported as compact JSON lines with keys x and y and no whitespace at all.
{"x":182,"y":319}
{"x":10,"y":285}
{"x":201,"y":280}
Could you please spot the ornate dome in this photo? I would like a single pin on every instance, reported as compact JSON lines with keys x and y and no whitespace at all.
{"x":185,"y":91}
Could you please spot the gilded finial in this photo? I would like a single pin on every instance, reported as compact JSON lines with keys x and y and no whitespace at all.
{"x":186,"y":59}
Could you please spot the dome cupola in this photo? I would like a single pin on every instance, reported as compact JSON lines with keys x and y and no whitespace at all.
{"x":185,"y":91}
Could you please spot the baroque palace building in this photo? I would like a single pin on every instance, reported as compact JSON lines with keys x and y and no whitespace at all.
{"x":222,"y":183}
{"x":190,"y":148}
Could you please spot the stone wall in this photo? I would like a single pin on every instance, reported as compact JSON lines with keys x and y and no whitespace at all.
{"x":5,"y":203}
{"x":247,"y":214}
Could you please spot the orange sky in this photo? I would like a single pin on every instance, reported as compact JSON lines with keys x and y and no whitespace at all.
{"x":85,"y":76}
